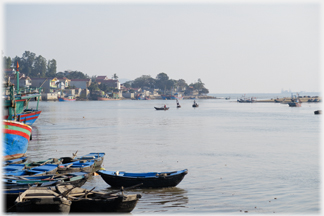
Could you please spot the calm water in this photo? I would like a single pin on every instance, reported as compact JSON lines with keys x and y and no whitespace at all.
{"x":260,"y":158}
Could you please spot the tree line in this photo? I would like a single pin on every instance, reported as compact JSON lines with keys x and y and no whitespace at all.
{"x":37,"y":66}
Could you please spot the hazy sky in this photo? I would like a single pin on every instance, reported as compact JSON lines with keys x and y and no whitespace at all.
{"x":231,"y":47}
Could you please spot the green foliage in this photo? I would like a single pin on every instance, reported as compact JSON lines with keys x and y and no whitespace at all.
{"x":114,"y":77}
{"x":94,"y":87}
{"x":7,"y":62}
{"x":144,"y":81}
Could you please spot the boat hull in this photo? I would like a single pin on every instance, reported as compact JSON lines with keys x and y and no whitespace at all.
{"x":15,"y":140}
{"x":161,"y":108}
{"x":65,"y":99}
{"x":151,"y":180}
{"x":293,"y":104}
{"x":28,"y":117}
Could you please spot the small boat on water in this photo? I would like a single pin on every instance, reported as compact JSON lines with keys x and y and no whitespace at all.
{"x":317,"y":112}
{"x":195,"y":104}
{"x":16,"y":138}
{"x":77,"y":166}
{"x":36,"y":171}
{"x":13,"y":168}
{"x":148,"y":180}
{"x":178,"y":104}
{"x":295,"y":102}
{"x":84,"y":200}
{"x":43,"y":162}
{"x":42,"y":199}
{"x":97,"y":157}
{"x":15,"y":161}
{"x":161,"y":108}
{"x":66,"y":99}
{"x":77,"y":179}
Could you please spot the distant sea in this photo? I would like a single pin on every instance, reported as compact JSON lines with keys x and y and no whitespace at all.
{"x":263,"y":95}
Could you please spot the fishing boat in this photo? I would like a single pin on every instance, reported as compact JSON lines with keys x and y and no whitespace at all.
{"x":97,"y":157}
{"x":42,"y":199}
{"x":295,"y":101}
{"x":84,"y":200}
{"x":16,"y":102}
{"x":15,"y":186}
{"x":76,"y":179}
{"x":66,"y":99}
{"x":148,"y":180}
{"x":16,"y":138}
{"x":43,"y":162}
{"x":36,"y":171}
{"x":77,"y":166}
{"x":317,"y":112}
{"x":195,"y":104}
{"x":246,"y":100}
{"x":15,"y":161}
{"x":13,"y":168}
{"x":178,"y":104}
{"x":161,"y":108}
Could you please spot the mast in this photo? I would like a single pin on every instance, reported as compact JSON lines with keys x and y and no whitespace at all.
{"x":17,"y":76}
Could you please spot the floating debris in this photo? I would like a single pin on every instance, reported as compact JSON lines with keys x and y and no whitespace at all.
{"x":245,"y":211}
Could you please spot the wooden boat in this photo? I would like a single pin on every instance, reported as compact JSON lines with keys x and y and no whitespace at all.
{"x":77,"y":166}
{"x":148,"y":180}
{"x":195,"y":105}
{"x":92,"y":201}
{"x":42,"y":199}
{"x":37,"y":171}
{"x":66,"y":99}
{"x":161,"y":108}
{"x":97,"y":157}
{"x":318,"y":112}
{"x":43,"y":162}
{"x":13,"y":168}
{"x":77,"y":179}
{"x":106,"y":99}
{"x":16,"y":138}
{"x":15,"y":161}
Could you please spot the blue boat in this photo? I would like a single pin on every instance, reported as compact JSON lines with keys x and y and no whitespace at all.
{"x":148,"y":180}
{"x":40,"y":170}
{"x":14,"y":168}
{"x":15,"y":161}
{"x":98,"y":158}
{"x":77,"y":166}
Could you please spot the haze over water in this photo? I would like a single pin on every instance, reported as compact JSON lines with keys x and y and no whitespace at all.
{"x":260,"y":157}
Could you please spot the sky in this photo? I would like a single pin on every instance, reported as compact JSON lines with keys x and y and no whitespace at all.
{"x":233,"y":47}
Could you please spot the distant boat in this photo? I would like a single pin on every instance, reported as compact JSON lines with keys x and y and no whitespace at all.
{"x":66,"y":99}
{"x":227,"y":98}
{"x":295,"y":102}
{"x":246,"y":100}
{"x":195,"y":104}
{"x":178,"y":105}
{"x":16,"y":138}
{"x":161,"y":108}
{"x":318,"y":112}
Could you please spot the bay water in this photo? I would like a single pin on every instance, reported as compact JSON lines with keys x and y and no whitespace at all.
{"x":241,"y":158}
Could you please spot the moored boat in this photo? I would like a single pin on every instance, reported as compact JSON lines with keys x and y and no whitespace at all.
{"x":77,"y":166}
{"x":37,"y":171}
{"x":148,"y":180}
{"x":15,"y":161}
{"x":16,"y":138}
{"x":42,"y":199}
{"x":84,"y":200}
{"x":195,"y":104}
{"x":318,"y":112}
{"x":97,"y":157}
{"x":66,"y":99}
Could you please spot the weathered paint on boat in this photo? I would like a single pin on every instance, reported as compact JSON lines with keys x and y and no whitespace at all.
{"x":15,"y":140}
{"x":27,"y":117}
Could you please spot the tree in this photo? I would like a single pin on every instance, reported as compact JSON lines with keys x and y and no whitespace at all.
{"x":39,"y":67}
{"x":114,"y":77}
{"x":51,"y":68}
{"x":181,"y":83}
{"x":27,"y":63}
{"x":7,"y":62}
{"x":128,"y":84}
{"x":204,"y":91}
{"x":59,"y":75}
{"x":144,"y":81}
{"x":162,"y":80}
{"x":93,"y":87}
